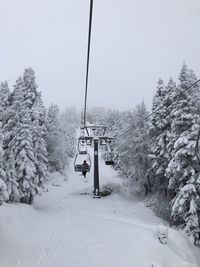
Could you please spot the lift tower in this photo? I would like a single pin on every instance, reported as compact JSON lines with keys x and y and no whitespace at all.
{"x":95,"y":135}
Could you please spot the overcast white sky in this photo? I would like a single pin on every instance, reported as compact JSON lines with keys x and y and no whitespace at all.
{"x":133,"y":43}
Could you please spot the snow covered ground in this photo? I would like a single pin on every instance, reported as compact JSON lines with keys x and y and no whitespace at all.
{"x":65,"y":228}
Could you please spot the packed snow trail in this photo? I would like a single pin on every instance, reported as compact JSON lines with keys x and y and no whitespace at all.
{"x":67,"y":228}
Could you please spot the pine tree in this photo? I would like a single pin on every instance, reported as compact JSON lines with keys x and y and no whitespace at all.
{"x":34,"y":130}
{"x":68,"y":121}
{"x":29,"y":88}
{"x":60,"y":137}
{"x":185,"y":211}
{"x":39,"y":142}
{"x":53,"y":119}
{"x":114,"y":128}
{"x":184,"y":125}
{"x":160,"y":132}
{"x":134,"y":148}
{"x":141,"y":148}
{"x":27,"y":177}
{"x":33,"y":107}
{"x":54,"y":140}
{"x":25,"y":148}
{"x":122,"y":146}
{"x":183,"y":169}
{"x":11,"y":124}
{"x":3,"y":188}
{"x":4,"y":97}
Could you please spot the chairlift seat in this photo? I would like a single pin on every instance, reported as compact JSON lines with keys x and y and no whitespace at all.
{"x":110,"y":162}
{"x":80,"y":168}
{"x":83,"y":152}
{"x":89,"y":142}
{"x":78,"y":162}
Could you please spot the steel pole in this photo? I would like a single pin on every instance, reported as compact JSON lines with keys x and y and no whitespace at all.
{"x":96,"y":169}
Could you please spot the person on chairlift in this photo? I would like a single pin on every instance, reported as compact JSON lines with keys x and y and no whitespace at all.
{"x":85,"y":168}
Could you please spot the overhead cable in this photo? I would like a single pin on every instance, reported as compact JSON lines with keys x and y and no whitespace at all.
{"x":88,"y":61}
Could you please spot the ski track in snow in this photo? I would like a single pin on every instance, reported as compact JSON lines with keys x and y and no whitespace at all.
{"x":67,"y":229}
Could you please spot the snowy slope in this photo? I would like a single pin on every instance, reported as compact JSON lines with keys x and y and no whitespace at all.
{"x":67,"y":229}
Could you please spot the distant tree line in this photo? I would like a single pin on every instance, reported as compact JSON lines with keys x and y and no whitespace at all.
{"x":33,"y":140}
{"x":158,"y":156}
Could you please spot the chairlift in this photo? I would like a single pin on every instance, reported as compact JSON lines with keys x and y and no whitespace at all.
{"x":110,"y":162}
{"x":78,"y":162}
{"x":89,"y":142}
{"x":82,"y":150}
{"x":82,"y":146}
{"x":103,"y":142}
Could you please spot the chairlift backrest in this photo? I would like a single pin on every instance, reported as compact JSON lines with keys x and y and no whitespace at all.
{"x":78,"y":162}
{"x":110,"y":162}
{"x":84,"y":152}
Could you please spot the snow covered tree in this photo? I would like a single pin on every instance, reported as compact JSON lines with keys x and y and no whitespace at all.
{"x":68,"y":121}
{"x":129,"y":149}
{"x":140,"y":145}
{"x":160,"y":133}
{"x":32,"y":155}
{"x":53,"y":118}
{"x":184,"y":127}
{"x":113,"y":121}
{"x":33,"y":108}
{"x":11,"y":122}
{"x":54,"y":138}
{"x":185,"y":211}
{"x":61,"y":131}
{"x":4,"y":98}
{"x":25,"y":164}
{"x":39,"y":143}
{"x":133,"y":147}
{"x":25,"y":156}
{"x":29,"y":88}
{"x":183,"y":168}
{"x":3,"y":188}
{"x":14,"y":145}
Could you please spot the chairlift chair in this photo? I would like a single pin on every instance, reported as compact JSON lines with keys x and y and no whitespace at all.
{"x":103,"y":142}
{"x":82,"y":150}
{"x":110,"y":162}
{"x":82,"y":146}
{"x":78,"y":162}
{"x":89,"y":142}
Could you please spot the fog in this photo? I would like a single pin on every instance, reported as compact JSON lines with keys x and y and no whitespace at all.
{"x":134,"y":42}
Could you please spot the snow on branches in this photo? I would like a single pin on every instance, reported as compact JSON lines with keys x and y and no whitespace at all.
{"x":159,"y":153}
{"x":24,"y":159}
